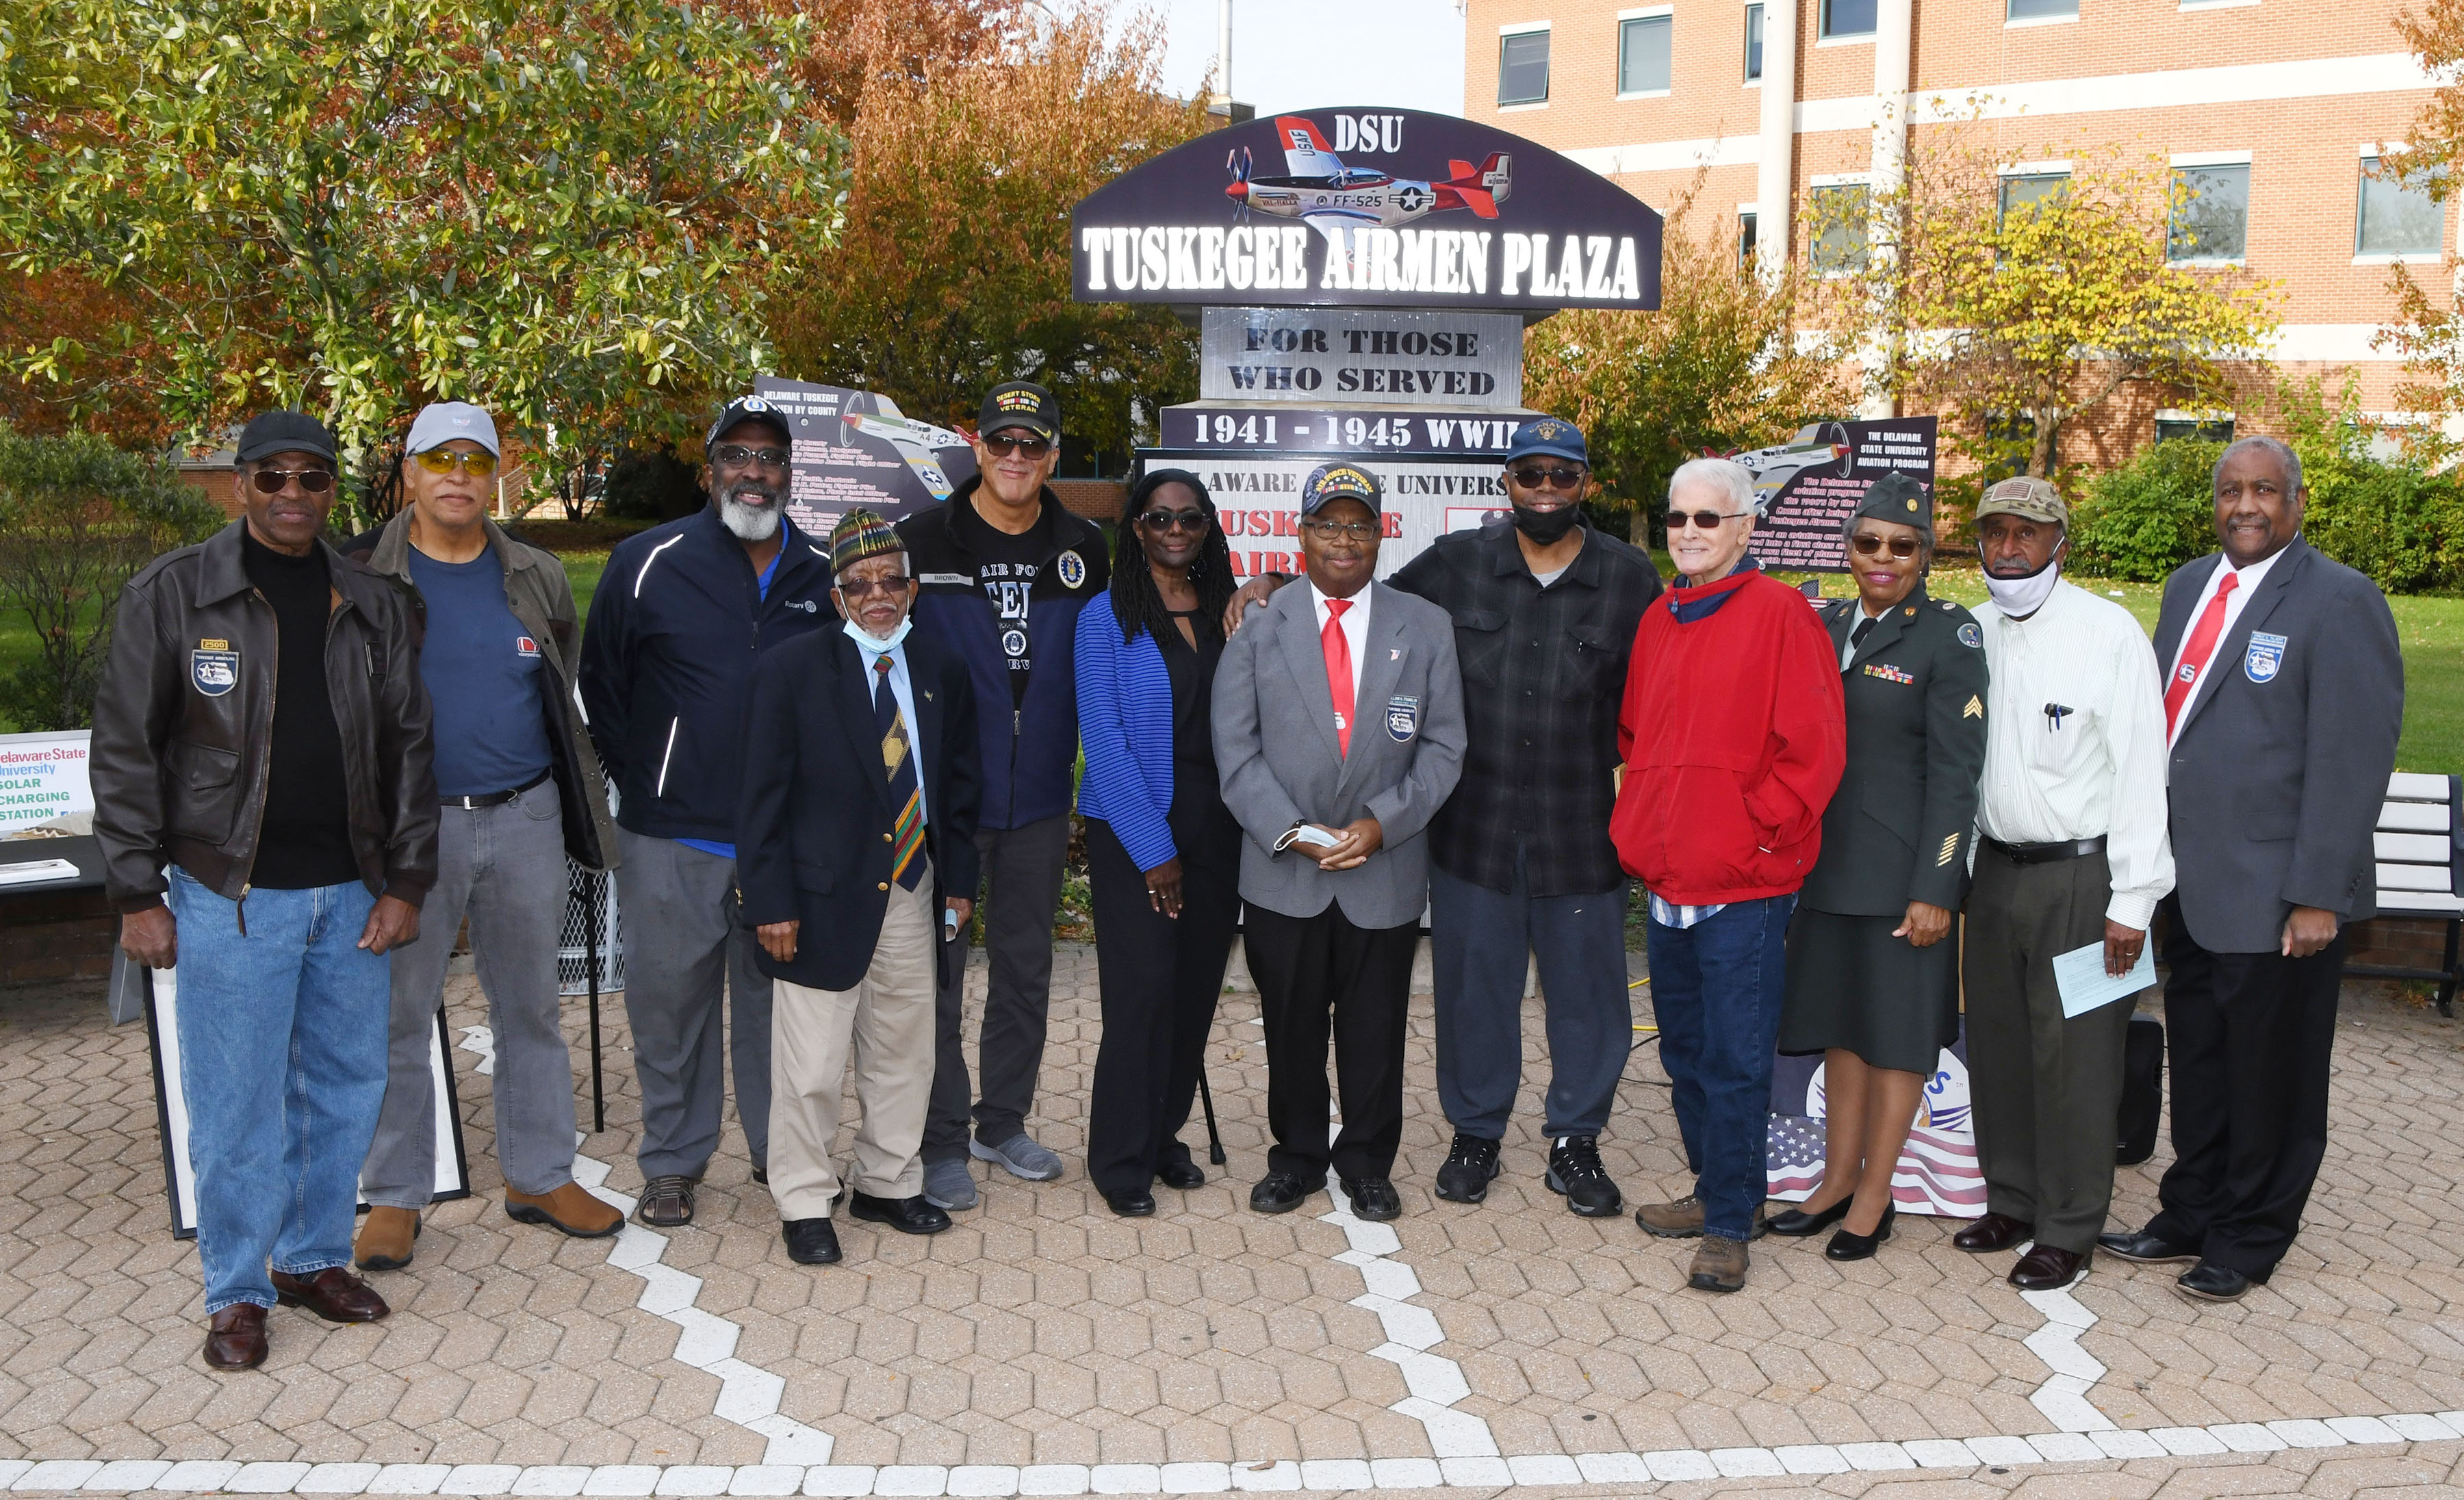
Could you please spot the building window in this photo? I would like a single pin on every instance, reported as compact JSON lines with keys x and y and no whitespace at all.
{"x":1847,"y":18}
{"x":2210,"y":214}
{"x":1746,"y":240}
{"x":2041,"y":10}
{"x":2397,"y":214}
{"x":1523,"y":68}
{"x":1643,"y":55}
{"x":2022,"y":188}
{"x":1753,"y":43}
{"x":2171,"y":425}
{"x":1838,"y":227}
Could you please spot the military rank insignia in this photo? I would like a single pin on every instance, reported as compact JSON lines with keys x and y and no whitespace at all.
{"x":1889,"y":672}
{"x":1973,"y":710}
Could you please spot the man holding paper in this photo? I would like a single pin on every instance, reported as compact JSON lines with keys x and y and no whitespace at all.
{"x":2073,"y":853}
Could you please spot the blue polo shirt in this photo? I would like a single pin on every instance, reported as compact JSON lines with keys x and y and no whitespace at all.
{"x":484,"y":675}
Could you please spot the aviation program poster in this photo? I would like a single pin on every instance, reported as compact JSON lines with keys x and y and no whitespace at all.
{"x":1809,"y":486}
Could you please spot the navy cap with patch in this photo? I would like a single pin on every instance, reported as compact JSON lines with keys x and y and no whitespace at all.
{"x":751,"y":408}
{"x":1340,"y":480}
{"x":1549,"y":436}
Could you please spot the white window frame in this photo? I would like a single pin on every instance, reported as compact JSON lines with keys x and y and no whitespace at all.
{"x":1744,"y":37}
{"x":2377,"y":151}
{"x":1821,"y":9}
{"x":1647,"y":12}
{"x":2011,"y":24}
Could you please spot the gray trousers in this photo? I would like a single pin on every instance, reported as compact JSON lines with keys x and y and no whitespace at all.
{"x":1021,"y":875}
{"x":2048,"y":1088}
{"x":504,"y":869}
{"x":685,"y":952}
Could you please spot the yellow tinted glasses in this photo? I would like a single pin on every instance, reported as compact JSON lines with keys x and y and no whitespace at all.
{"x":438,"y":460}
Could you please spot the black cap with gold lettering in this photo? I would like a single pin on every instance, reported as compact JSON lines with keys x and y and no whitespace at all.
{"x":1340,"y":480}
{"x":1019,"y":404}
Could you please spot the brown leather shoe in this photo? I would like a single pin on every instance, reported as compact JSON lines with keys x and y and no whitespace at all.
{"x":333,"y":1294}
{"x":1682,"y":1220}
{"x":236,"y":1338}
{"x":1719,"y":1264}
{"x":571,"y":1208}
{"x":385,"y":1239}
{"x":2044,"y":1268}
{"x":666,"y":1202}
{"x":1991,"y":1233}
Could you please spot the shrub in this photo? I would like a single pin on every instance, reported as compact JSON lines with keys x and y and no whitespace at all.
{"x":2147,"y":518}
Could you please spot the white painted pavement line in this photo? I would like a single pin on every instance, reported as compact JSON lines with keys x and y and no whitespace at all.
{"x":2064,"y":1396}
{"x":748,"y":1394}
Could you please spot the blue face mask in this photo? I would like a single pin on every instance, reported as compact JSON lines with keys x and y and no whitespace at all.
{"x":880,"y":643}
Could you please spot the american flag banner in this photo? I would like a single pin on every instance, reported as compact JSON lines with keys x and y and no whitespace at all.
{"x":1937,"y":1172}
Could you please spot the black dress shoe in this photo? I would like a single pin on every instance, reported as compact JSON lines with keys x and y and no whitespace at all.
{"x":762,"y":1175}
{"x":1470,"y":1166}
{"x":236,"y":1338}
{"x":2211,"y":1282}
{"x":2144,"y":1249}
{"x":1131,"y":1206}
{"x":810,"y":1242}
{"x":1847,"y":1244}
{"x":1373,"y":1198}
{"x":1280,"y":1193}
{"x":906,"y":1215}
{"x":1991,"y":1233}
{"x":2045,"y":1268}
{"x":1798,"y":1225}
{"x":1181,"y":1173}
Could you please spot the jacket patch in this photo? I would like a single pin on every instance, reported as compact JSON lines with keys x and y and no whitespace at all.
{"x":213,"y":672}
{"x":1889,"y":672}
{"x":1402,"y":717}
{"x":524,"y":645}
{"x":2265,"y":657}
{"x":960,"y":580}
{"x":1973,"y":710}
{"x":1972,"y":637}
{"x":213,"y":646}
{"x":1071,"y":568}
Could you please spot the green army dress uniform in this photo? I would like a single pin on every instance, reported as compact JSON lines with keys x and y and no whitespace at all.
{"x":1898,"y":830}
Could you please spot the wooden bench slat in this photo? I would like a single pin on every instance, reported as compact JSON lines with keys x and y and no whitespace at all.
{"x":2415,"y":817}
{"x":2414,"y":849}
{"x":2417,"y":786}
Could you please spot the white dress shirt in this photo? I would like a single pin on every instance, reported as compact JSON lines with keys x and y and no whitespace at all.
{"x":2245,"y":585}
{"x":1355,"y":630}
{"x":2098,"y":769}
{"x":869,"y":650}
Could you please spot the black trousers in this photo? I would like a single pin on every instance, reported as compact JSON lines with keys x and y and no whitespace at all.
{"x":2247,"y":1038}
{"x":1312,"y":971}
{"x":1159,"y":977}
{"x":1021,"y":887}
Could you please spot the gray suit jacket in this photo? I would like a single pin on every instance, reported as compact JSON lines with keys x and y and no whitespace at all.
{"x":2278,"y":771}
{"x":1275,"y":748}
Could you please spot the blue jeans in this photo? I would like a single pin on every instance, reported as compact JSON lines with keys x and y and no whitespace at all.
{"x":282,"y":1058}
{"x":1716,"y":988}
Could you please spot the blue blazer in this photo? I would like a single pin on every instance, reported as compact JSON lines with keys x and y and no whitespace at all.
{"x":1125,"y":723}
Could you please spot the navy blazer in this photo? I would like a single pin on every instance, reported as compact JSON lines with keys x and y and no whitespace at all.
{"x":814,"y":819}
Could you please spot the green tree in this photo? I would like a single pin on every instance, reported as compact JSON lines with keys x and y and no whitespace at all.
{"x":79,"y":517}
{"x":564,"y":212}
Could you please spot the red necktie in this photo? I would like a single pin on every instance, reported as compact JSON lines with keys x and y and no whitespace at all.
{"x":1338,"y":672}
{"x":2194,"y":655}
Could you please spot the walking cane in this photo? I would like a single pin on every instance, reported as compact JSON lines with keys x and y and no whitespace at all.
{"x":1214,"y":1137}
{"x":592,"y":885}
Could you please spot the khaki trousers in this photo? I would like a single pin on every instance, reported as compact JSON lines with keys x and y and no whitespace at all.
{"x":886,"y":1021}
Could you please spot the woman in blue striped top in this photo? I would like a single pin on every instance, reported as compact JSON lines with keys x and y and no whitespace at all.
{"x":1163,"y":856}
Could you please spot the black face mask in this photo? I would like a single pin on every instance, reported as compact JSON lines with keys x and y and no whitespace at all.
{"x":1548,"y":528}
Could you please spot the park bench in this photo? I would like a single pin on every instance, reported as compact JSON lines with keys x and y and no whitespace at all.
{"x":2421,"y":871}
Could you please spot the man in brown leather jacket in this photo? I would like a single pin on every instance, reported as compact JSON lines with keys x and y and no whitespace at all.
{"x":262,"y":763}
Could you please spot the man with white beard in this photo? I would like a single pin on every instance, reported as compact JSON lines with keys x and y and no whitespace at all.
{"x":664,"y":678}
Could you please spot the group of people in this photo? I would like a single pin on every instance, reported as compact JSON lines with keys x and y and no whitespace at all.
{"x":813,"y":785}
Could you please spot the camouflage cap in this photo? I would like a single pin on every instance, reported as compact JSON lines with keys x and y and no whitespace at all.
{"x":2026,"y":497}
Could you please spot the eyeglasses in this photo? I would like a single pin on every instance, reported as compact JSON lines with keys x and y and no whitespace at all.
{"x":1556,"y":478}
{"x":1703,"y":521}
{"x":1348,"y":530}
{"x":1160,"y":521}
{"x":1869,"y":544}
{"x":866,"y":588}
{"x":736,"y":455}
{"x":1002,"y":445}
{"x":478,"y":465}
{"x":274,"y":481}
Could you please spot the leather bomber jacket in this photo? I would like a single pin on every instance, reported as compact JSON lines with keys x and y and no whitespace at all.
{"x":183,"y":727}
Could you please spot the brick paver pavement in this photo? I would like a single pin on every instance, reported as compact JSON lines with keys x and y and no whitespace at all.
{"x":1470,"y":1346}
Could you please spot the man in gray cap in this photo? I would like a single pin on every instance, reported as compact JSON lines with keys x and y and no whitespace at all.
{"x":520,"y":792}
{"x":1338,"y":734}
{"x":2072,"y":852}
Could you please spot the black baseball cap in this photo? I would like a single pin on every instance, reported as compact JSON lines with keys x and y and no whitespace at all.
{"x":750,"y":409}
{"x":1020,"y":403}
{"x":1340,"y":480}
{"x":284,"y":433}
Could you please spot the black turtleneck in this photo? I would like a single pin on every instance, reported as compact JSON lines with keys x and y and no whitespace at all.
{"x":305,"y":838}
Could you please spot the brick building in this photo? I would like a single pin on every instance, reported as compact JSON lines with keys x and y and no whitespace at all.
{"x":2272,"y":107}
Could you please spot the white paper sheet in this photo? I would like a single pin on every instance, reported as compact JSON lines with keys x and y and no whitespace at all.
{"x":2080,"y":975}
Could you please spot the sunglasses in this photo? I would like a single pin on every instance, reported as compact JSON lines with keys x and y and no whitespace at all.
{"x":736,"y":455}
{"x":1703,"y":521}
{"x":437,"y":460}
{"x":866,"y":587}
{"x":1160,"y":521}
{"x":1348,"y":530}
{"x":1004,"y":444}
{"x":1869,"y":544}
{"x":1556,"y":478}
{"x":274,"y":481}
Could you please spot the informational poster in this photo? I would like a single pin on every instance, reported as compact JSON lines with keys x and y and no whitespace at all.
{"x":44,"y":793}
{"x":171,"y":1107}
{"x":1937,"y":1172}
{"x":1808,"y":487}
{"x":1257,"y":500}
{"x":854,"y":450}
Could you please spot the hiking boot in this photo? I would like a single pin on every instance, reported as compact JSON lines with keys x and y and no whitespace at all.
{"x":385,"y":1239}
{"x":1575,"y":1173}
{"x":1682,"y":1220}
{"x":1471,"y":1167}
{"x":569,"y":1207}
{"x":1719,"y":1264}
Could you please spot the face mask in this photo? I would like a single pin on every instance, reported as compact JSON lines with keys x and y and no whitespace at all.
{"x":880,"y":643}
{"x":2023,"y":596}
{"x":1545,"y":527}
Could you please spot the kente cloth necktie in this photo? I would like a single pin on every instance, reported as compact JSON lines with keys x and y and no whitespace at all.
{"x":2194,"y":655}
{"x":898,"y":758}
{"x":1338,"y":672}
